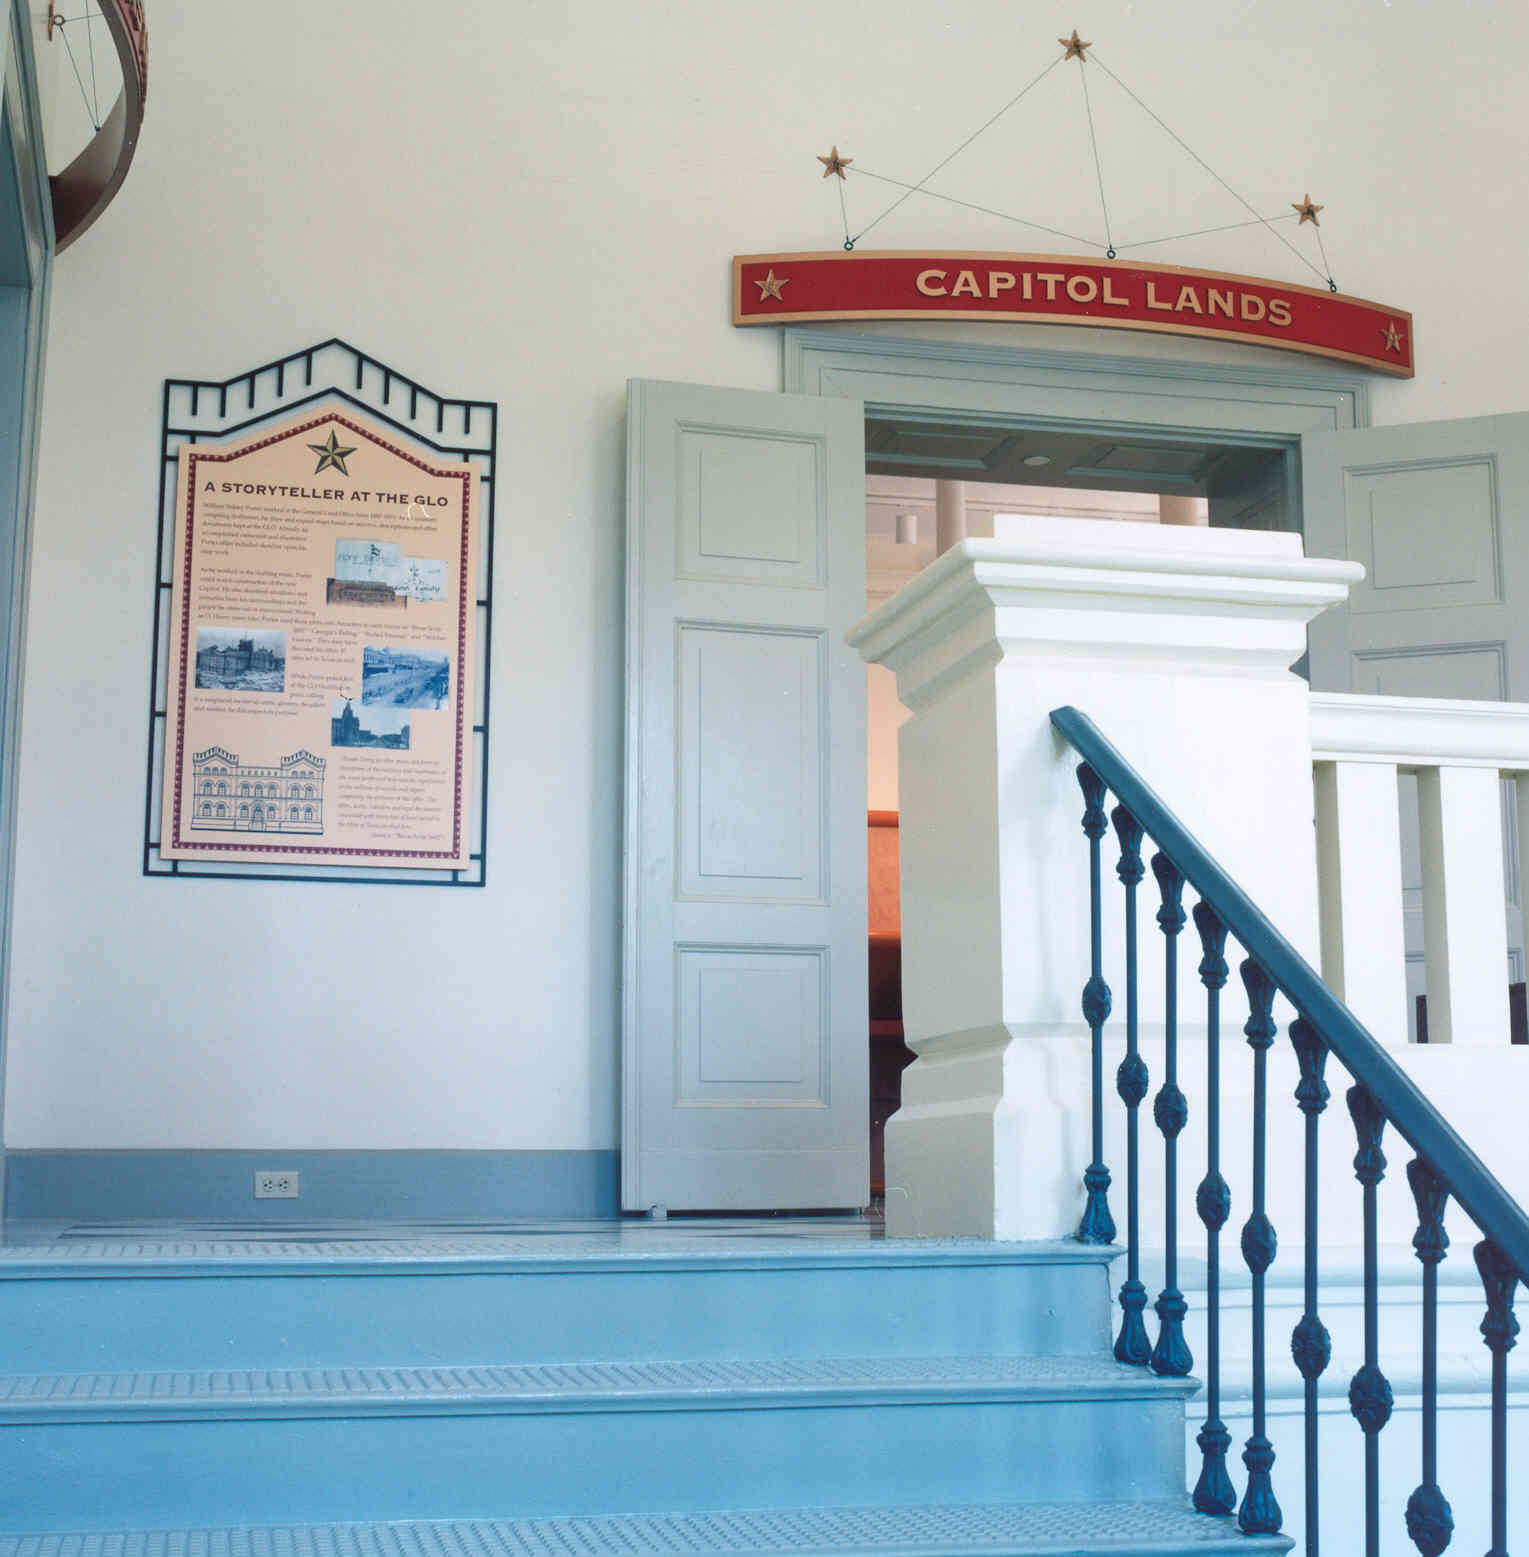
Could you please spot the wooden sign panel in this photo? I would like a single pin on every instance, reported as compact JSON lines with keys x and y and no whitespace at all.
{"x":1057,"y":289}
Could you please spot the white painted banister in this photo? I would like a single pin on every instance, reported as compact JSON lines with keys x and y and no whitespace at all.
{"x":1419,"y":732}
{"x":1459,"y":751}
{"x":1460,"y":811}
{"x":1359,"y":875}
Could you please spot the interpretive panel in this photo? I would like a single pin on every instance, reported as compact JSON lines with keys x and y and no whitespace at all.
{"x":322,"y":657}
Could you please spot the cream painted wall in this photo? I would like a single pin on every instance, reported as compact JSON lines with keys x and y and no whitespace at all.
{"x":532,"y":204}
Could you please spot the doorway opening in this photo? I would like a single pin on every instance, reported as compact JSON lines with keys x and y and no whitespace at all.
{"x":931,"y":484}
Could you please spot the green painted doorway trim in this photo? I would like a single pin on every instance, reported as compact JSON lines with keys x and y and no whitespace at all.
{"x":26,"y":269}
{"x":1074,"y":391}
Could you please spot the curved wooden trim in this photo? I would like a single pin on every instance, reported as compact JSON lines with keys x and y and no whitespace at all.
{"x":86,"y":187}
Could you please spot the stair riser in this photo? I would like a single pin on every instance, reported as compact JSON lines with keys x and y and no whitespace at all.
{"x":110,"y":1475}
{"x":144,"y":1323}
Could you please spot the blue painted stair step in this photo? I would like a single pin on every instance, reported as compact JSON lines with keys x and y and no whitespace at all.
{"x":405,"y":1443}
{"x":992,"y":1530}
{"x":470,"y":1391}
{"x":144,"y":1303}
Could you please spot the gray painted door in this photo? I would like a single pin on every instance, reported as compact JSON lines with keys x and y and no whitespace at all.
{"x":1438,"y":513}
{"x":744,"y":1045}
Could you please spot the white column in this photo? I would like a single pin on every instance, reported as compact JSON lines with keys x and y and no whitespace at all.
{"x":949,"y":515}
{"x":1359,"y":865}
{"x":1464,"y":938}
{"x":1178,"y":645}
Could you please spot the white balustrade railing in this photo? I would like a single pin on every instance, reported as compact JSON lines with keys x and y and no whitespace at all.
{"x":1463,"y":856}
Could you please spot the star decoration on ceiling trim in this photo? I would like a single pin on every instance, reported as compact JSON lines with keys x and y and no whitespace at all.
{"x":1075,"y":46}
{"x":834,"y":163}
{"x":1393,"y":336}
{"x":1308,"y":212}
{"x":771,"y":286}
{"x":331,"y":454}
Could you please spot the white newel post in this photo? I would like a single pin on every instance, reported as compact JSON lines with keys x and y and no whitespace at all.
{"x":1177,"y":643}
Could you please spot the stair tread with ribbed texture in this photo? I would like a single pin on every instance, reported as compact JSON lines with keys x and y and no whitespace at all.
{"x":662,"y":1245}
{"x":197,"y":1391}
{"x":733,"y":1385}
{"x":992,"y":1530}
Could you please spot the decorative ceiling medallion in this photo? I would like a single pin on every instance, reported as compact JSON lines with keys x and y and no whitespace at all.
{"x":1059,"y":289}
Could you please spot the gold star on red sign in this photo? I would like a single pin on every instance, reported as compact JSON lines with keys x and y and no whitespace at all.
{"x":834,"y":163}
{"x":1308,"y":212}
{"x":1393,"y":336}
{"x":1075,"y":46}
{"x":771,"y":285}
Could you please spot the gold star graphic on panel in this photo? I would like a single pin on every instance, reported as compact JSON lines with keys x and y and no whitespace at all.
{"x":331,"y":454}
{"x":1308,"y":212}
{"x":1393,"y":336}
{"x":1075,"y":46}
{"x":834,"y":163}
{"x":771,"y":286}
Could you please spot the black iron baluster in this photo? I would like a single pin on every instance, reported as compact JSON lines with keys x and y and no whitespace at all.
{"x":1429,"y":1520}
{"x":1500,"y":1330}
{"x":1131,"y":1345}
{"x":1310,"y":1344}
{"x":1369,"y":1393}
{"x":1260,"y":1512}
{"x":1171,"y":1357}
{"x":1214,"y":1493}
{"x":1097,"y":1226}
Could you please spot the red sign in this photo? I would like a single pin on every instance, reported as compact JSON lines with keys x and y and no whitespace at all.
{"x":1055,"y":289}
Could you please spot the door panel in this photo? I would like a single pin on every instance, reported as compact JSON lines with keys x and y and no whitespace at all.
{"x":1438,"y":513}
{"x":744,"y":1002}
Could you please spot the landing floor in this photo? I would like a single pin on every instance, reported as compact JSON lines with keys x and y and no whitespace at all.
{"x":683,"y":1240}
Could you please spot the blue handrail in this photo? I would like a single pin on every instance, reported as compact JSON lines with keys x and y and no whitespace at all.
{"x":1488,"y":1204}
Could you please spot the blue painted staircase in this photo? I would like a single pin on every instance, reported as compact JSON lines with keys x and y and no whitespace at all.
{"x":689,"y":1388}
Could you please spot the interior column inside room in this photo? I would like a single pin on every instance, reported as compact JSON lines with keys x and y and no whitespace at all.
{"x":911,"y":520}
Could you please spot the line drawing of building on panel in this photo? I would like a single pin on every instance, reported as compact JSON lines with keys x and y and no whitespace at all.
{"x":233,"y":796}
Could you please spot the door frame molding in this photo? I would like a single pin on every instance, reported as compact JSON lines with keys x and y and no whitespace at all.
{"x":26,"y":272}
{"x":1075,"y":391}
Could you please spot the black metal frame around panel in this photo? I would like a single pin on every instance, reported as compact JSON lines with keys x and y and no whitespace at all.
{"x":206,"y":409}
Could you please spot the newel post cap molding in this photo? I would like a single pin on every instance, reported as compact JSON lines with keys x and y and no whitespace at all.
{"x":1231,"y":600}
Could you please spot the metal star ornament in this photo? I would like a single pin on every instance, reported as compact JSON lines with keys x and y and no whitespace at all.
{"x":1393,"y":336}
{"x":771,"y":286}
{"x":1308,"y":212}
{"x":331,"y":454}
{"x":1075,"y":46}
{"x":834,"y":163}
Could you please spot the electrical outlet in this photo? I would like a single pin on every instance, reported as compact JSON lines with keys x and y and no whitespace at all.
{"x":276,"y":1184}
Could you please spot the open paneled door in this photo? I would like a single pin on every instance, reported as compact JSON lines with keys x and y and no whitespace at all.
{"x":744,"y":1050}
{"x":1438,"y":513}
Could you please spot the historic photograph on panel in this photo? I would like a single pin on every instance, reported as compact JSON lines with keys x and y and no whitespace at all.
{"x":366,"y":573}
{"x":377,"y":573}
{"x":241,"y":659}
{"x":385,"y":727}
{"x":422,"y":578}
{"x":404,"y":678}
